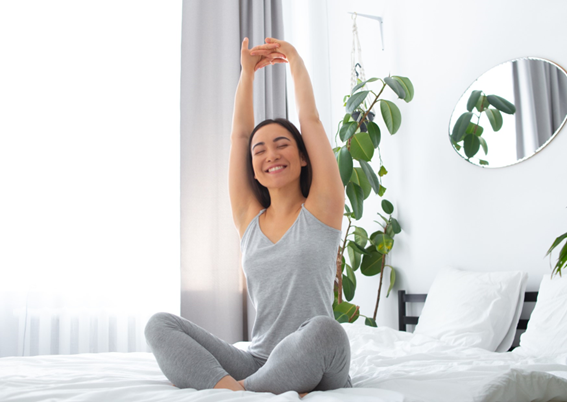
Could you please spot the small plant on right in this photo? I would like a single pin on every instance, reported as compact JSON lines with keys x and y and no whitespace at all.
{"x":562,"y":259}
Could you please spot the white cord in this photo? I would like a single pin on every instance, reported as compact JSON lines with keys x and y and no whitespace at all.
{"x":355,"y":55}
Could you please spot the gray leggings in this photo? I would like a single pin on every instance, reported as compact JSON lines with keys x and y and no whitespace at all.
{"x":316,"y":357}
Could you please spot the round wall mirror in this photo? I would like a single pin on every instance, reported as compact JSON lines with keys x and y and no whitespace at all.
{"x":510,"y":112}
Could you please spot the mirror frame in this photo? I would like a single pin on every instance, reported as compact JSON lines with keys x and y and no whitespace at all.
{"x":474,"y":82}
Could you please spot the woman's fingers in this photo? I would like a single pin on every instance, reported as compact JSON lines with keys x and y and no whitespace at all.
{"x":266,"y":62}
{"x":272,"y":55}
{"x":267,"y":46}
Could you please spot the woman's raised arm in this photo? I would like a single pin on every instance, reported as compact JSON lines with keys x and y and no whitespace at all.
{"x":327,"y":189}
{"x":240,"y":191}
{"x":243,"y":116}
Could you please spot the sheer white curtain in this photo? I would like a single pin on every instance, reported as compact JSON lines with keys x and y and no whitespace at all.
{"x":212,"y":283}
{"x":306,"y":26}
{"x":89,"y":173}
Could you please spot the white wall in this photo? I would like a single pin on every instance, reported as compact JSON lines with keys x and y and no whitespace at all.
{"x":454,"y":214}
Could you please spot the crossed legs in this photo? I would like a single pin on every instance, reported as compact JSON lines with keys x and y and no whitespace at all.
{"x":315,"y":357}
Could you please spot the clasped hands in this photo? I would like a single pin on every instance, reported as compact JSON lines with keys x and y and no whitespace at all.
{"x":273,"y":52}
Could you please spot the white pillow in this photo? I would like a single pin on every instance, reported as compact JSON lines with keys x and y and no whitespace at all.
{"x":473,"y":309}
{"x":547,"y":328}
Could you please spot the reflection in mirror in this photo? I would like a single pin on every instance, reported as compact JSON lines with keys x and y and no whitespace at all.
{"x":510,"y":112}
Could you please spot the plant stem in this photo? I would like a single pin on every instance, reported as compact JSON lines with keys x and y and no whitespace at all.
{"x":370,"y":108}
{"x":340,"y":254}
{"x":379,"y":287}
{"x":354,"y":314}
{"x":381,"y":277}
{"x":366,"y":114}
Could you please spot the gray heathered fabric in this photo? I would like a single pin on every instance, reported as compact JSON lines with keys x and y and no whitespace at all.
{"x":297,"y":344}
{"x":290,"y":281}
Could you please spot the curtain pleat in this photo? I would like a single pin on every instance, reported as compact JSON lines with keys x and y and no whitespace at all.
{"x":213,"y":290}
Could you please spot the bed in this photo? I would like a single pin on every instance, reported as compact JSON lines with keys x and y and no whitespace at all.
{"x":386,"y":364}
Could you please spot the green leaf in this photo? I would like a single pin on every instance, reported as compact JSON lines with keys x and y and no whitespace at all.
{"x":495,"y":118}
{"x":406,"y":85}
{"x":361,"y":84}
{"x":350,"y":275}
{"x":396,"y":87}
{"x":473,"y":99}
{"x":346,"y":308}
{"x":374,"y":132}
{"x":354,"y":257}
{"x":384,"y":243}
{"x":370,"y":176}
{"x":387,"y":207}
{"x":359,"y":177}
{"x":484,"y":145}
{"x":501,"y":104}
{"x":392,"y":280}
{"x":344,"y":160}
{"x":396,"y":226}
{"x":356,"y":197}
{"x":381,"y":191}
{"x":390,"y":230}
{"x":357,"y":247}
{"x":349,"y":309}
{"x":348,"y":288}
{"x":347,"y":130}
{"x":391,"y":115}
{"x":371,"y":264}
{"x":370,"y":322}
{"x":361,"y":147}
{"x":474,"y":129}
{"x":460,"y":127}
{"x":482,"y":103}
{"x":355,"y":100}
{"x":346,"y":119}
{"x":360,"y":236}
{"x":382,"y":172}
{"x":472,"y":145}
{"x":340,"y":317}
{"x":483,"y":162}
{"x":556,"y":243}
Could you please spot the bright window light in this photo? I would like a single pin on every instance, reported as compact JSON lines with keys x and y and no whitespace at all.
{"x":89,"y":148}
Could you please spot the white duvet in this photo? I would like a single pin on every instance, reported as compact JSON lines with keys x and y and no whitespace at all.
{"x":386,"y":365}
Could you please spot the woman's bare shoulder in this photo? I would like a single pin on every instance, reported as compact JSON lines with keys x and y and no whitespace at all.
{"x":253,"y":209}
{"x":327,"y":211}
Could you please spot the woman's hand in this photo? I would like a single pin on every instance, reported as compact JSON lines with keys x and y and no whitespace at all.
{"x":252,"y":62}
{"x":271,"y":54}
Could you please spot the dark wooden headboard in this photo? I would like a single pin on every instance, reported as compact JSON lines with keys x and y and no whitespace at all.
{"x":404,"y":319}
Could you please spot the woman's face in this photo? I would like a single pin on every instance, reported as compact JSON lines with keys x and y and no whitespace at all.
{"x":274,"y":146}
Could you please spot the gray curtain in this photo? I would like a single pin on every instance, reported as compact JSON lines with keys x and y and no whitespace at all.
{"x":213,"y":288}
{"x":540,"y":97}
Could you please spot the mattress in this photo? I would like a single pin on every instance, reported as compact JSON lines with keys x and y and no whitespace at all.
{"x":386,"y":365}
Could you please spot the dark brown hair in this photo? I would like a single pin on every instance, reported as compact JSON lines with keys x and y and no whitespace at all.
{"x":261,"y":192}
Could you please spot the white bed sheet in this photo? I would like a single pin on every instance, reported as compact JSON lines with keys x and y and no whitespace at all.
{"x":387,"y":365}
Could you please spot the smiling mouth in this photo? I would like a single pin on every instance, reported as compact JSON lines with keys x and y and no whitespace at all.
{"x":279,"y":169}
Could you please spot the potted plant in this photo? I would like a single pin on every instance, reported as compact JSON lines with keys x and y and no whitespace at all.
{"x":562,"y":259}
{"x":361,"y":137}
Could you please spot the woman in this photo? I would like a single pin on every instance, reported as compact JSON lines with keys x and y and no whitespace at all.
{"x":287,"y":201}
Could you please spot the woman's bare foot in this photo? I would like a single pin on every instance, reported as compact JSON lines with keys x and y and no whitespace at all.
{"x":303,"y":394}
{"x":241,"y":382}
{"x":227,"y":382}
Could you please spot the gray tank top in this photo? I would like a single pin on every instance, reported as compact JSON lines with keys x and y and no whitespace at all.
{"x":289,"y":281}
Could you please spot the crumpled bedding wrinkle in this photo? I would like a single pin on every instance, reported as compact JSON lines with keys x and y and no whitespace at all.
{"x":386,"y":366}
